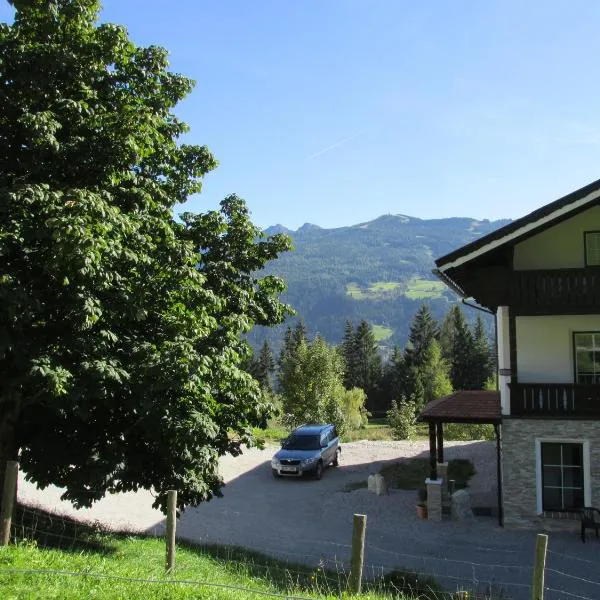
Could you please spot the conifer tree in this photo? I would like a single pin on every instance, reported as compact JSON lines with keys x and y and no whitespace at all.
{"x":423,"y":330}
{"x":483,"y":364}
{"x":264,"y":367}
{"x":288,"y":357}
{"x":462,"y":353}
{"x":348,"y":350}
{"x":368,"y":362}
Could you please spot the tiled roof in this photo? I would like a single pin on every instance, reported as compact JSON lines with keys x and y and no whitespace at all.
{"x":464,"y":406}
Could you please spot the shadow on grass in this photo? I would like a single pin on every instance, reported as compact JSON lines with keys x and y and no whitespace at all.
{"x":54,"y":531}
{"x":330,"y":577}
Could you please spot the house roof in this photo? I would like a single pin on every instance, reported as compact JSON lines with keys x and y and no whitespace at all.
{"x":523,"y":227}
{"x":464,"y":406}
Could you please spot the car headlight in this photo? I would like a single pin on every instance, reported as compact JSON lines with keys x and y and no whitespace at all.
{"x":275,"y":463}
{"x":309,"y":461}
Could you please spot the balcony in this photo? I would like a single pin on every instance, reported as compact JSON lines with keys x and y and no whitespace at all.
{"x":568,"y":400}
{"x":556,"y":290}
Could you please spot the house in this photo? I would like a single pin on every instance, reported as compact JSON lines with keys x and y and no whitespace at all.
{"x":540,"y":277}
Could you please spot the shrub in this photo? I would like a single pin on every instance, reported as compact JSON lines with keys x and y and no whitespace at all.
{"x":355,"y":412}
{"x":402,"y":418}
{"x":468,"y":431}
{"x":413,"y":585}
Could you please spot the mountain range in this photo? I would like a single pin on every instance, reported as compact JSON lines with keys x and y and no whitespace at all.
{"x":380,"y":271}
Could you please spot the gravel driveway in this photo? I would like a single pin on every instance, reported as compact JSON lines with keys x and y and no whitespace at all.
{"x":309,"y":521}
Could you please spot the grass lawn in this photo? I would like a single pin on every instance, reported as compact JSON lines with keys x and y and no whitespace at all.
{"x":382,"y":333}
{"x":376,"y":430}
{"x":376,"y":291}
{"x":419,"y":288}
{"x":132,"y":568}
{"x":410,"y":474}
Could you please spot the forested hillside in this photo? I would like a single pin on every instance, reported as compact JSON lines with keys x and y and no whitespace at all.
{"x":379,"y":271}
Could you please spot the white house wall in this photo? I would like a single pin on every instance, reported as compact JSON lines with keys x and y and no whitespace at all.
{"x":559,"y":247}
{"x":545,"y":346}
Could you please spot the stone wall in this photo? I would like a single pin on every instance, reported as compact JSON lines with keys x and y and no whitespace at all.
{"x":519,"y":467}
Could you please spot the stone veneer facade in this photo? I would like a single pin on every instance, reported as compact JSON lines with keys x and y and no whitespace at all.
{"x":519,"y":466}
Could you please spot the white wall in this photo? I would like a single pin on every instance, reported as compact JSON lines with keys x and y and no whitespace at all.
{"x":503,"y":334}
{"x":545,"y":346}
{"x":560,"y":246}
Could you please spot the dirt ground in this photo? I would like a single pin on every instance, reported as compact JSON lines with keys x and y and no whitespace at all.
{"x":310,"y":521}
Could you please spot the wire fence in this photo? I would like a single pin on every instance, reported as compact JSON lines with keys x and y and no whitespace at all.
{"x":437,"y":573}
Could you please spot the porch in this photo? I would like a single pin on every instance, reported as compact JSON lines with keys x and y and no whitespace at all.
{"x":463,"y":406}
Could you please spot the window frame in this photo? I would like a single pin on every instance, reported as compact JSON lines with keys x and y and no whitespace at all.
{"x":575,"y":367}
{"x":585,"y":247}
{"x":587,"y":490}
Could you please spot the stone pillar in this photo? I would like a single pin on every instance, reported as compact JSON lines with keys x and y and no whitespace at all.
{"x":434,"y":499}
{"x":442,"y":470}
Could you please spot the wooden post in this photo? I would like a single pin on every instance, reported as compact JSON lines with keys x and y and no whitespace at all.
{"x":432,"y":453}
{"x":358,"y":553}
{"x":440,"y":442}
{"x":9,"y":493}
{"x":171,"y":528}
{"x":537,"y":589}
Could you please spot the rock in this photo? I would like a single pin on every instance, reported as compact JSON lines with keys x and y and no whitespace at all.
{"x":376,"y":483}
{"x":461,"y":506}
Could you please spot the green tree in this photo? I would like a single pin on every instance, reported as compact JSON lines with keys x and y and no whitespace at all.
{"x":483,"y":365}
{"x":265,"y":365}
{"x":461,"y":352}
{"x":367,"y":362}
{"x":348,"y":350}
{"x":423,"y":330}
{"x":312,"y":388}
{"x":448,"y":332}
{"x":288,"y":356}
{"x":434,"y":374}
{"x":394,"y":374}
{"x":120,"y":328}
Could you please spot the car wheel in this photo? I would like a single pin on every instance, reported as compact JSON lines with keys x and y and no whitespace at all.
{"x":336,"y":460}
{"x":275,"y":473}
{"x":319,"y":470}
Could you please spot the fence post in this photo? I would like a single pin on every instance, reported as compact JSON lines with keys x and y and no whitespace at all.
{"x":8,"y":499}
{"x":171,"y":528}
{"x":537,"y":589}
{"x":358,"y":553}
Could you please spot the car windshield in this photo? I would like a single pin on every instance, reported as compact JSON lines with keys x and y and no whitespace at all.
{"x":302,"y":442}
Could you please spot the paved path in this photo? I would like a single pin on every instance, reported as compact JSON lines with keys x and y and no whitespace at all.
{"x":311,"y":522}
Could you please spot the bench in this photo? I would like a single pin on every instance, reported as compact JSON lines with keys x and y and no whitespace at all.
{"x":590,"y":519}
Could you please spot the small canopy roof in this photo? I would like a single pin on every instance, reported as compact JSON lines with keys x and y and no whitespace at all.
{"x":464,"y":406}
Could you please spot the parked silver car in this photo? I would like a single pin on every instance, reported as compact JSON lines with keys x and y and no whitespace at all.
{"x":307,"y":450}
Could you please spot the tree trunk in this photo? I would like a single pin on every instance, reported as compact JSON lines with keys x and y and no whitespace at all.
{"x":9,"y":448}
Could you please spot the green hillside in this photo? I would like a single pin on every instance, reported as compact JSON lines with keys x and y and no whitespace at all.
{"x":379,"y":271}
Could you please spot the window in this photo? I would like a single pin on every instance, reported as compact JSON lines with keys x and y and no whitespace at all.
{"x":592,"y":248}
{"x":587,"y":356}
{"x":562,"y":476}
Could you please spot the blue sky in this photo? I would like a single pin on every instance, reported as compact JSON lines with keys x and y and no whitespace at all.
{"x":337,"y":111}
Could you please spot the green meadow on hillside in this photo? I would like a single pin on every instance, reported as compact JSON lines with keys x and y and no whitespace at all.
{"x":419,"y":288}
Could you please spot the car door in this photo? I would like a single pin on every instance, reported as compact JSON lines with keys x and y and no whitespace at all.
{"x":329,"y":452}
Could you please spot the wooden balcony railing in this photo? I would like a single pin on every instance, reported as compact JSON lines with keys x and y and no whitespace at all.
{"x":555,"y":399}
{"x":555,"y":289}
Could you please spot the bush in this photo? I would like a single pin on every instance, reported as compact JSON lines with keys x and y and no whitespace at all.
{"x":402,"y":419}
{"x":355,"y":412}
{"x":413,"y":585}
{"x":468,"y":431}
